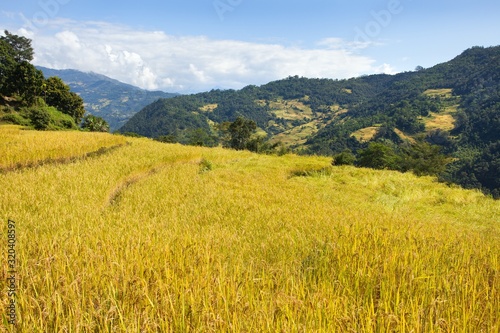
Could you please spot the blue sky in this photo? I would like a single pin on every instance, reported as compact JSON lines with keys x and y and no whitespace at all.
{"x":196,"y":45}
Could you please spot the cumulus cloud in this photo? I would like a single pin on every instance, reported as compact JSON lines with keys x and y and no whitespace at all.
{"x":156,"y":60}
{"x":68,"y":40}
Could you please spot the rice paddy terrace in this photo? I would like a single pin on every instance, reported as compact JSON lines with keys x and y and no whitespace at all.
{"x":124,"y":234}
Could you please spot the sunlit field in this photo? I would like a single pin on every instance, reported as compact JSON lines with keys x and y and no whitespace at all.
{"x":21,"y":148}
{"x":152,"y":237}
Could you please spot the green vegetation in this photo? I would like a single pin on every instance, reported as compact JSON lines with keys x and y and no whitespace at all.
{"x":26,"y":97}
{"x":378,"y":156}
{"x":57,"y":93}
{"x":41,"y":117}
{"x":454,"y":106}
{"x":240,"y":132}
{"x":95,"y":124}
{"x":344,"y":158}
{"x":419,"y":157}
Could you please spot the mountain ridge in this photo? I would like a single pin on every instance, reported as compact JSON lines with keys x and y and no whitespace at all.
{"x":454,"y":105}
{"x":114,"y":101}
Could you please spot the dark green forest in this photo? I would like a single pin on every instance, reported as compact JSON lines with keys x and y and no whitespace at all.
{"x":398,"y":106}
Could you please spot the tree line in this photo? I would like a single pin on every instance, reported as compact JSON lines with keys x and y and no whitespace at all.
{"x":30,"y":99}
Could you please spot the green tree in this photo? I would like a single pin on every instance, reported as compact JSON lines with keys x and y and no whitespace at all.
{"x":240,"y":132}
{"x":27,"y":82}
{"x":21,"y":46}
{"x":199,"y":137}
{"x":7,"y":66}
{"x":95,"y":124}
{"x":58,"y":94}
{"x":423,"y":158}
{"x":17,"y":75}
{"x":258,"y":144}
{"x":344,"y":158}
{"x":378,"y":156}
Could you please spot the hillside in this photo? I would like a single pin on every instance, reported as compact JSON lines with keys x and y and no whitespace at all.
{"x":29,"y":99}
{"x":276,"y":107}
{"x":162,"y":237}
{"x":408,"y":101}
{"x":114,"y":101}
{"x":454,"y":105}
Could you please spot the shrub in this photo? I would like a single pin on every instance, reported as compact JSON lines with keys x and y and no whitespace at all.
{"x":95,"y":124}
{"x":205,"y":165}
{"x":40,"y":119}
{"x":344,"y":158}
{"x":378,"y":156}
{"x":69,"y":124}
{"x":16,"y":119}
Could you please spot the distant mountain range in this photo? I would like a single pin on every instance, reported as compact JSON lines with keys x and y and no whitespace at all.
{"x":114,"y":101}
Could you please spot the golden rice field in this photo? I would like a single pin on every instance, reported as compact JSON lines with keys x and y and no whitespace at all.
{"x":151,"y":237}
{"x":20,"y":148}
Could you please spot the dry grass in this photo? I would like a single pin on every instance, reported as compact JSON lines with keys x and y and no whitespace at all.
{"x":366,"y":134}
{"x":140,"y":240}
{"x":443,"y":120}
{"x":403,"y":136}
{"x":290,"y":109}
{"x":444,"y":93}
{"x":209,"y":108}
{"x":297,"y":135}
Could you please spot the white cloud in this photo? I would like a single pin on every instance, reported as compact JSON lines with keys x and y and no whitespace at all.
{"x":156,"y":60}
{"x":386,"y":68}
{"x":69,"y":40}
{"x":26,"y":33}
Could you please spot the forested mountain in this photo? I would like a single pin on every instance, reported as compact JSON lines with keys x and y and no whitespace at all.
{"x":114,"y":101}
{"x":276,"y":107}
{"x":454,"y":105}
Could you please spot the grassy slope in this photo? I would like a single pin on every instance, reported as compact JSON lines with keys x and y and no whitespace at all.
{"x":443,"y":120}
{"x":24,"y":148}
{"x":140,"y":239}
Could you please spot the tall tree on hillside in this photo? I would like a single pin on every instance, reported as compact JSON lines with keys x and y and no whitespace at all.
{"x":7,"y":65}
{"x":378,"y":156}
{"x":27,"y":82}
{"x":20,"y":45}
{"x":240,"y":132}
{"x":423,"y":158}
{"x":17,"y":75}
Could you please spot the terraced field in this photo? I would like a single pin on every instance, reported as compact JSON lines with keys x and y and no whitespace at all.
{"x":152,"y":237}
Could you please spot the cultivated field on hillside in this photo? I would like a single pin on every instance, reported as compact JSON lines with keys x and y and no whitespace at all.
{"x":151,"y":237}
{"x":21,"y":148}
